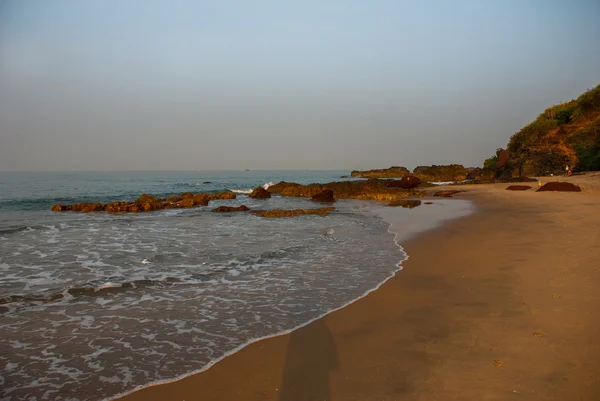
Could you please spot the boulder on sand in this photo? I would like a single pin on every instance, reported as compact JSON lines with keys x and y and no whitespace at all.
{"x":518,"y":187}
{"x":260,"y":193}
{"x":559,"y":186}
{"x":325,"y":196}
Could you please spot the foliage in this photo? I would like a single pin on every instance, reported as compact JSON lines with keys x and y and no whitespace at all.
{"x":492,"y":161}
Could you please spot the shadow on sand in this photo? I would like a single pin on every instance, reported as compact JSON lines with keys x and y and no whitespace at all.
{"x":311,"y":356}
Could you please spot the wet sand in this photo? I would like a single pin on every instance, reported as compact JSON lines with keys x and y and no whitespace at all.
{"x":501,"y":305}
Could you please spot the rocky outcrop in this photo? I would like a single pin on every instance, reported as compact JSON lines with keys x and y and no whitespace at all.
{"x":406,"y":203}
{"x":323,"y":211}
{"x":447,"y":193}
{"x":559,"y":186}
{"x":407,"y":182}
{"x":324,"y":196}
{"x":146,"y":203}
{"x":230,"y":209}
{"x":392,"y":172}
{"x":451,"y":172}
{"x":373,"y":189}
{"x":518,"y":187}
{"x":260,"y":193}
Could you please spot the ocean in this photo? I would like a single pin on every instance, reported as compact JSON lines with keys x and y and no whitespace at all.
{"x":96,"y":305}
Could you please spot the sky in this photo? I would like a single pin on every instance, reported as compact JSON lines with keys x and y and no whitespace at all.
{"x":213,"y":85}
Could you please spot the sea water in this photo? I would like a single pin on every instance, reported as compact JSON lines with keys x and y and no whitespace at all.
{"x":95,"y":305}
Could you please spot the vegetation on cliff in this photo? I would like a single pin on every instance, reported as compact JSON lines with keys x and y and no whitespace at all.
{"x":565,"y":134}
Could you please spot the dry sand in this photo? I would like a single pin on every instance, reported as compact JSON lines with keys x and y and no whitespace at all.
{"x":501,"y":305}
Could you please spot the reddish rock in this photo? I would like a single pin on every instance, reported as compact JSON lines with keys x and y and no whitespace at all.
{"x":175,"y":198}
{"x":392,"y":172}
{"x":260,"y":193}
{"x":451,"y":172}
{"x":407,"y":182}
{"x":406,"y":203}
{"x":559,"y":186}
{"x":145,"y":198}
{"x":229,"y":209}
{"x":428,"y":203}
{"x":518,"y":187}
{"x":447,"y":193}
{"x":325,"y":196}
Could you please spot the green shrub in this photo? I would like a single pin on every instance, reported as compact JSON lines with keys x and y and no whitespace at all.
{"x":589,"y":156}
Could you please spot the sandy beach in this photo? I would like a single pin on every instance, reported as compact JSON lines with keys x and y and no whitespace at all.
{"x":500,"y":305}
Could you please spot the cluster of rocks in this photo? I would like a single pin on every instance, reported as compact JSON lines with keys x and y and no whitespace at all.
{"x":450,"y":172}
{"x":372,"y":189}
{"x":406,"y":203}
{"x":147,"y":203}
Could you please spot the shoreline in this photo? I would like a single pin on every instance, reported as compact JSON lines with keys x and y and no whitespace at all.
{"x":435,"y":221}
{"x":375,"y":362}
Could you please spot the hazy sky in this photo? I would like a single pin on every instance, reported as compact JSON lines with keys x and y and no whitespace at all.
{"x":185,"y":85}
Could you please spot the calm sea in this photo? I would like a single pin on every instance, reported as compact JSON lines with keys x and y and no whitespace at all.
{"x":96,"y":305}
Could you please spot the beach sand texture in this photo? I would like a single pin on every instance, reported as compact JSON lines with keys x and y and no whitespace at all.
{"x":501,"y":305}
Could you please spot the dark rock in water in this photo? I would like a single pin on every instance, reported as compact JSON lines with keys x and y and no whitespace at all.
{"x":451,"y":172}
{"x":229,"y":209}
{"x":207,"y":182}
{"x":344,"y":176}
{"x":447,"y":193}
{"x":392,"y":172}
{"x":325,"y":196}
{"x":147,"y":203}
{"x":323,"y":211}
{"x":373,"y":189}
{"x":406,"y":203}
{"x":428,"y":203}
{"x":260,"y":193}
{"x":407,"y":182}
{"x":559,"y":186}
{"x":518,"y":187}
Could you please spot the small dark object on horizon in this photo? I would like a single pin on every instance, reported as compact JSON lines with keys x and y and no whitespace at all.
{"x":207,"y":182}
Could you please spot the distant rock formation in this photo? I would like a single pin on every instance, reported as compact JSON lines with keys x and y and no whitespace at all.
{"x":374,"y":189}
{"x":324,"y":196}
{"x":324,"y":211}
{"x":559,"y":186}
{"x":392,"y":172}
{"x":260,"y":193}
{"x":406,"y":203}
{"x":230,"y":209}
{"x":146,"y":203}
{"x":451,"y":172}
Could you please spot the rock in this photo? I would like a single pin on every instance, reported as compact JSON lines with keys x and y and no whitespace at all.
{"x":207,"y":182}
{"x":147,"y":203}
{"x":518,"y":187}
{"x":325,"y":196}
{"x":392,"y":172}
{"x":323,"y":211}
{"x":451,"y":172}
{"x":145,"y":198}
{"x":229,"y":209}
{"x":447,"y":193}
{"x":428,"y":203}
{"x":344,"y":176}
{"x":406,"y":203}
{"x":559,"y":186}
{"x":407,"y":182}
{"x":372,"y":189}
{"x":260,"y":193}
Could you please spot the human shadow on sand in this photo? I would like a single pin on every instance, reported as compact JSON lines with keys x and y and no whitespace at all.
{"x":311,"y":356}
